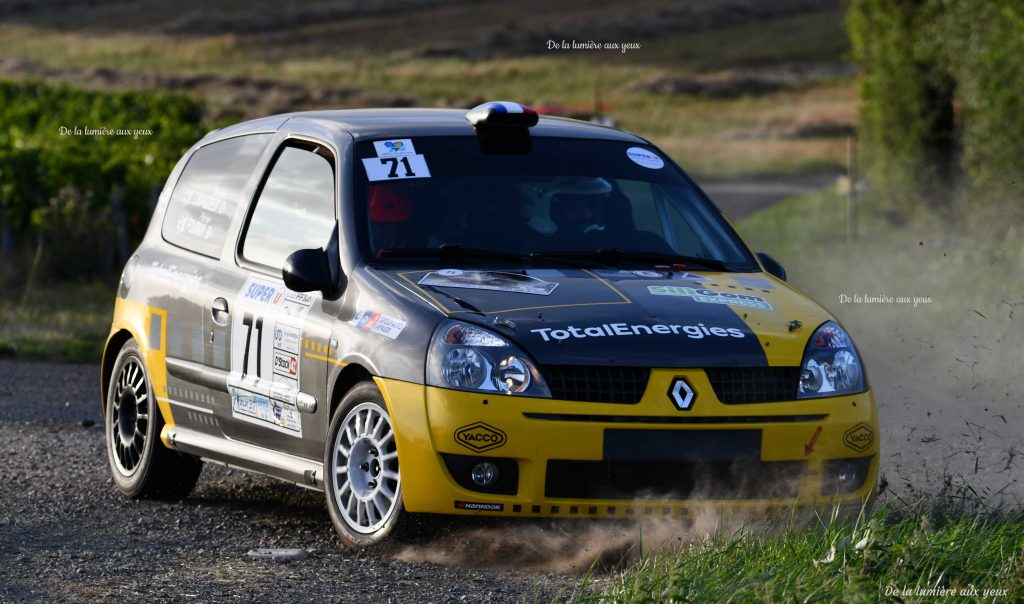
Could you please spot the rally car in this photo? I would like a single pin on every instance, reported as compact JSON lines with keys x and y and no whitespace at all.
{"x":449,"y":312}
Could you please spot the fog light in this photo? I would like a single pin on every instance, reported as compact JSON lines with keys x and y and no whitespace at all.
{"x":484,"y":474}
{"x":843,"y":476}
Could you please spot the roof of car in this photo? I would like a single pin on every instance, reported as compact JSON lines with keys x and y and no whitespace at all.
{"x":394,"y":123}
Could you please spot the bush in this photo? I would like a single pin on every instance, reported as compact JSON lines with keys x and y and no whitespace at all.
{"x":57,"y":181}
{"x":942,"y":119}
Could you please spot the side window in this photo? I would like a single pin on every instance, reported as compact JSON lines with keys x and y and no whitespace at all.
{"x":295,"y":208}
{"x":208,"y":192}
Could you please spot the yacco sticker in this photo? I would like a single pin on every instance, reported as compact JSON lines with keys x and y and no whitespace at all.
{"x":480,"y":507}
{"x":374,"y":322}
{"x":480,"y":437}
{"x":710,"y":296}
{"x":396,"y":168}
{"x":398,"y":146}
{"x":859,"y":437}
{"x":649,"y":274}
{"x":265,"y":411}
{"x":497,"y":281}
{"x":645,"y":158}
{"x":695,"y":332}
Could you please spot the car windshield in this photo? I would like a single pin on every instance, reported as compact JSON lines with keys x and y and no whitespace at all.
{"x":561,"y":199}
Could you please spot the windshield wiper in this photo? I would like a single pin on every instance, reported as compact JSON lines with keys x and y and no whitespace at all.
{"x":614,"y":255}
{"x":450,"y":251}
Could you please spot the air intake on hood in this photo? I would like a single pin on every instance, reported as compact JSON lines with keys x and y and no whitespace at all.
{"x":624,"y":385}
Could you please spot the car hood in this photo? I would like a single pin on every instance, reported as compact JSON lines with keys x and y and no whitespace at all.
{"x":569,"y":316}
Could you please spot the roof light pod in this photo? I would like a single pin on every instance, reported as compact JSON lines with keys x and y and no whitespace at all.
{"x":501,"y":114}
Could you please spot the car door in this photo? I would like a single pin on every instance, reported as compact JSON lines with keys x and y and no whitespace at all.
{"x":269,"y":327}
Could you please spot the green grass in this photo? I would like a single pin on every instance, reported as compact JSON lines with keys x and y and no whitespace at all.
{"x":835,"y":561}
{"x":67,"y":322}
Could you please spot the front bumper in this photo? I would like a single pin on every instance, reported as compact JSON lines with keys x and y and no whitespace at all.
{"x":606,"y":460}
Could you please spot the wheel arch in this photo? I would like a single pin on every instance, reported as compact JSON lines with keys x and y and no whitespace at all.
{"x":110,"y":352}
{"x":350,"y":375}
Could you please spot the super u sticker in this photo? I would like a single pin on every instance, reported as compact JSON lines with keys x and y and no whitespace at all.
{"x":396,"y":168}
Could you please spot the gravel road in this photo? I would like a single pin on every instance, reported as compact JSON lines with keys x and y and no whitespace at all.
{"x":66,"y":534}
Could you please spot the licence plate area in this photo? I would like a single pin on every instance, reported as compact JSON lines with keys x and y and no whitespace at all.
{"x":675,"y":464}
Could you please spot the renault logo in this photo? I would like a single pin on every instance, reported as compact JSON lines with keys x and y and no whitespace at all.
{"x":681,"y":394}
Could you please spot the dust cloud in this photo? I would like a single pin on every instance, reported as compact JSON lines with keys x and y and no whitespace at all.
{"x":564,"y":546}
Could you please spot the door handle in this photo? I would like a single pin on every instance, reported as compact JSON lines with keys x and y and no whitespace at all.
{"x":219,"y":311}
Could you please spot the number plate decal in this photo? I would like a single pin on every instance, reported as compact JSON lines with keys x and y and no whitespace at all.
{"x":265,"y":333}
{"x":396,"y":168}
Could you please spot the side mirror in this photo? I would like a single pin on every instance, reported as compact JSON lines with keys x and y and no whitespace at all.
{"x":771,"y":265}
{"x":310,"y":270}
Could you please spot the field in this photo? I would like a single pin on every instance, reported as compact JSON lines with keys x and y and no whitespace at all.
{"x":726,"y":88}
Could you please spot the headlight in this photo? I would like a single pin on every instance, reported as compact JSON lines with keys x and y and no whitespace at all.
{"x":467,"y":357}
{"x":831,"y":366}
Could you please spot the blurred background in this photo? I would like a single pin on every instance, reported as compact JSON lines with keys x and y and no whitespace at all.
{"x":873,"y":147}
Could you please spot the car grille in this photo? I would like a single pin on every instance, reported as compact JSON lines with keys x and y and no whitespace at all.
{"x":742,"y":385}
{"x":597,"y":384}
{"x":740,"y":479}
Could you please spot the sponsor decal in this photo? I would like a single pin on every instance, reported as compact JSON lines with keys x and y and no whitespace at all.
{"x":482,"y":507}
{"x":265,"y":411}
{"x":645,"y":158}
{"x":480,"y":437}
{"x":374,"y":322}
{"x":286,"y":364}
{"x":754,"y":282}
{"x":400,"y":146}
{"x":649,"y":274}
{"x":497,"y":281}
{"x":182,"y":279}
{"x":681,"y":394}
{"x":286,"y":338}
{"x":692,"y":277}
{"x":859,"y":437}
{"x":809,"y":447}
{"x":695,"y":332}
{"x":710,"y":296}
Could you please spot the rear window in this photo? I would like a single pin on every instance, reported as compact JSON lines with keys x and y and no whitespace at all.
{"x":209,"y":191}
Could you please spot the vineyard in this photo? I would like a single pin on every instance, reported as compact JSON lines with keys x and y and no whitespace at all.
{"x":79,"y":172}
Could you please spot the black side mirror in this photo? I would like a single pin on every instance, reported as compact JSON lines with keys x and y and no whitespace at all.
{"x":770,"y":264}
{"x":310,"y":270}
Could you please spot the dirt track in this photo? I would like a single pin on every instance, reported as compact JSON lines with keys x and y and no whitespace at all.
{"x":67,"y":535}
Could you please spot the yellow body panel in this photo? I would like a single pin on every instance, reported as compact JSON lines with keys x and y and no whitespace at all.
{"x":148,"y":326}
{"x":426,"y":420}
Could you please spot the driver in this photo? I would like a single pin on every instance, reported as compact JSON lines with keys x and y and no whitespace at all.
{"x":578,"y":210}
{"x":390,"y":213}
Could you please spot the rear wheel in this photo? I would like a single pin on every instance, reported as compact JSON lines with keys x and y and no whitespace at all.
{"x":141,"y":465}
{"x":362,"y":482}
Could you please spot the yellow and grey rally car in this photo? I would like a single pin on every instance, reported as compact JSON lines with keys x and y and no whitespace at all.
{"x":435,"y":311}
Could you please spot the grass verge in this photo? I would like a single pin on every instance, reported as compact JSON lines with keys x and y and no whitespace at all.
{"x":66,"y":322}
{"x":911,"y":555}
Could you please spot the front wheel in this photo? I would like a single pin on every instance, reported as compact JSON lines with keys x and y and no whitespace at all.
{"x":362,"y":482}
{"x":141,"y":465}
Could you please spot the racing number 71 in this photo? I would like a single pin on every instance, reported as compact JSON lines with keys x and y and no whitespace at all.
{"x":248,"y":321}
{"x":394,"y":166}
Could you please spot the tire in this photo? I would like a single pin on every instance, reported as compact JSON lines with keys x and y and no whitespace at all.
{"x":141,"y":465}
{"x":362,"y":480}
